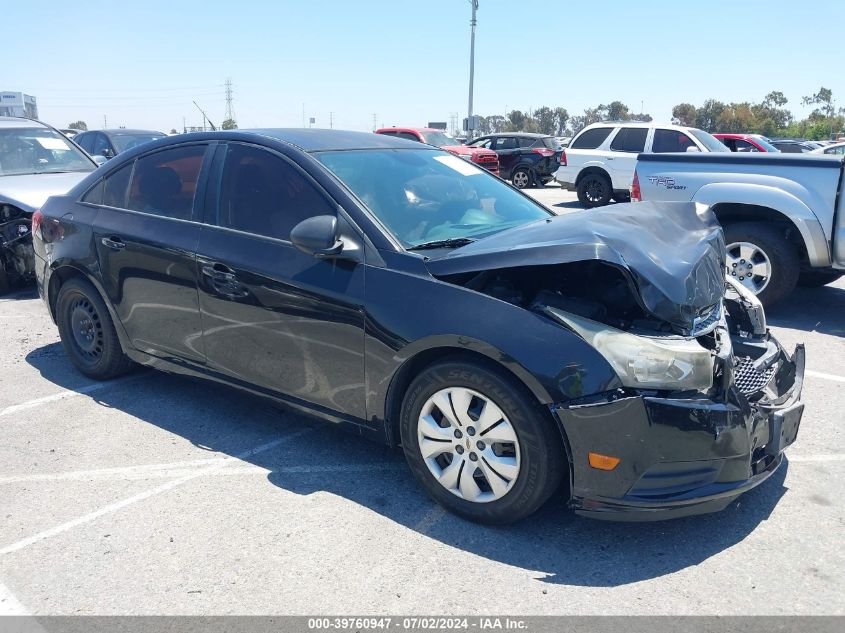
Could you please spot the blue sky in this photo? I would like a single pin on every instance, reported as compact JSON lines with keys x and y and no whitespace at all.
{"x":141,"y":63}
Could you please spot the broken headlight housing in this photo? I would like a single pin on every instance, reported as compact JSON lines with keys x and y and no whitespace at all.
{"x":646,"y":362}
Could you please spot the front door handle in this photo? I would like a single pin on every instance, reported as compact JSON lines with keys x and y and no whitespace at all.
{"x":114,"y":243}
{"x":218,"y":272}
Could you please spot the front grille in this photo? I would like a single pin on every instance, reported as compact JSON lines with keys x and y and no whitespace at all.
{"x":747,"y":379}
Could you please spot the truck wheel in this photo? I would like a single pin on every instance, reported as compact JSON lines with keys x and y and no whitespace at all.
{"x":762,"y":260}
{"x":594,"y":190}
{"x":817,"y":279}
{"x":479,"y":443}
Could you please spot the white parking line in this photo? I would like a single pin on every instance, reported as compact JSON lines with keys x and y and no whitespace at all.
{"x":114,"y":507}
{"x":816,"y":458}
{"x":179,"y":469}
{"x":821,"y":374}
{"x":9,"y":605}
{"x":69,"y":393}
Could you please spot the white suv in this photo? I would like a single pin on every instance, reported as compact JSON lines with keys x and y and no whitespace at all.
{"x":599,"y":162}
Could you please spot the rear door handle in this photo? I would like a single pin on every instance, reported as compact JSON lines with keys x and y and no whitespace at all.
{"x":114,"y":243}
{"x":219,"y":272}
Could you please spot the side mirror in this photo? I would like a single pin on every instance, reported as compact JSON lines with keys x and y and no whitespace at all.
{"x":107,"y":153}
{"x":100,"y":160}
{"x":317,"y":236}
{"x":693,"y":148}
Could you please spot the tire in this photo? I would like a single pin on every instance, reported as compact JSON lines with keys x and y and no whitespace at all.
{"x":87,"y":332}
{"x":817,"y":279}
{"x":522,"y":178}
{"x":532,"y":466}
{"x":783,"y":260}
{"x":594,"y":190}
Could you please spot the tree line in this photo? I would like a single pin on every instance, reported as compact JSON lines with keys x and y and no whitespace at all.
{"x":769,"y":117}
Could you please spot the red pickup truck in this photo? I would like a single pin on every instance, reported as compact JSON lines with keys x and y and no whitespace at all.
{"x":486,"y":158}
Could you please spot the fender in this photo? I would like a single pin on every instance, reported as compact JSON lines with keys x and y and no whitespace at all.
{"x":818,"y":249}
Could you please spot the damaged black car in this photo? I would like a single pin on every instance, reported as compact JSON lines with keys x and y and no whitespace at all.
{"x":413,"y":298}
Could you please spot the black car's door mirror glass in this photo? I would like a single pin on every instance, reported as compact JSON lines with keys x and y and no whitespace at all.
{"x":317,"y":236}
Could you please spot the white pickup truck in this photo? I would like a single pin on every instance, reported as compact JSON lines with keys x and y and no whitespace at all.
{"x":783,"y":215}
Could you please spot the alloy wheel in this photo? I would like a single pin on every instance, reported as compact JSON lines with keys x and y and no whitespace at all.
{"x":749,"y":264}
{"x":595,"y":190}
{"x":521,"y":179}
{"x":468,"y":444}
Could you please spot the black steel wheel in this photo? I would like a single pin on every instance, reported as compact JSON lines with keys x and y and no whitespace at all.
{"x":87,"y":331}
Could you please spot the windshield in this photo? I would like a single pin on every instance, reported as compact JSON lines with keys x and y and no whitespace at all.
{"x":709,"y":141}
{"x":423,"y":195}
{"x":39,"y":150}
{"x":438,"y":139}
{"x":124,"y":142}
{"x":763,"y":142}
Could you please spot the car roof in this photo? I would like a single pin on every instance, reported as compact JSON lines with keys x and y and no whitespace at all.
{"x":668,"y":126}
{"x":117,"y":131}
{"x":519,"y":134}
{"x":314,"y":140}
{"x":14,"y":121}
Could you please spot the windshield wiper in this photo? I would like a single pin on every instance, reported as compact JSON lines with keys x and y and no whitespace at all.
{"x":452,"y":242}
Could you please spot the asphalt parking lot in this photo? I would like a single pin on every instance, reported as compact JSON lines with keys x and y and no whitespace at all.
{"x":155,"y":494}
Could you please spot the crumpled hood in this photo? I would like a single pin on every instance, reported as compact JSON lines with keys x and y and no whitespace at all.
{"x":30,"y":191}
{"x":673,"y":251}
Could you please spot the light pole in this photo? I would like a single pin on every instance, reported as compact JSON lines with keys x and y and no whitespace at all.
{"x":470,"y":126}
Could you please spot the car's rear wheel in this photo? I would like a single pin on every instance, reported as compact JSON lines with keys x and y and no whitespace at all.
{"x":817,"y":279}
{"x":594,"y":190}
{"x":522,"y":178}
{"x":479,"y":443}
{"x":87,"y":331}
{"x":762,"y":259}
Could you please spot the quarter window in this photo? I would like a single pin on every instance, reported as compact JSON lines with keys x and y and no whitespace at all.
{"x":164,"y":183}
{"x":630,"y":139}
{"x":670,"y":141}
{"x":591,"y":139}
{"x":264,"y":194}
{"x":116,"y":185}
{"x":95,"y":194}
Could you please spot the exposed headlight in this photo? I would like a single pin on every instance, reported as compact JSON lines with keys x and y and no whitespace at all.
{"x":646,"y":362}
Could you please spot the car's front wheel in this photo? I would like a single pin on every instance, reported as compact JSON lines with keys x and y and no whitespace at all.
{"x":87,"y":331}
{"x":479,"y":443}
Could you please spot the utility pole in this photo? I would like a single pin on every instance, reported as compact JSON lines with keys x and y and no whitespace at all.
{"x":105,"y":123}
{"x":331,"y":122}
{"x":303,"y":114}
{"x":375,"y":125}
{"x":230,"y":112}
{"x":470,"y":127}
{"x":184,"y":126}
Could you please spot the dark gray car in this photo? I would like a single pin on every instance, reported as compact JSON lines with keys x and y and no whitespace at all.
{"x":110,"y":143}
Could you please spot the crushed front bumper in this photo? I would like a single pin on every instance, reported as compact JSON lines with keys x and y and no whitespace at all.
{"x":682,"y":456}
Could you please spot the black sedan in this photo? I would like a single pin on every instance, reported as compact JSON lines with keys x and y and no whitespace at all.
{"x":526,"y":159}
{"x":109,"y":143}
{"x":415,"y":298}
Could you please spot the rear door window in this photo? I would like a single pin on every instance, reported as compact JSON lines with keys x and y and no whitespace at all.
{"x":666,"y":141}
{"x":505,"y":143}
{"x":591,"y":139}
{"x":629,"y":139}
{"x":164,"y":183}
{"x":101,"y":145}
{"x":86,"y":142}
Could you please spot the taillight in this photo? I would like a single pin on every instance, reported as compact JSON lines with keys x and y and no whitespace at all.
{"x":37,"y":218}
{"x":544,"y":152}
{"x":636,"y":196}
{"x":563,"y":158}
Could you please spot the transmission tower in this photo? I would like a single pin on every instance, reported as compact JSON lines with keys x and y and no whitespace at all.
{"x":230,"y":112}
